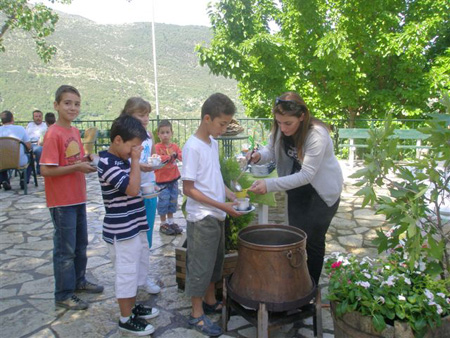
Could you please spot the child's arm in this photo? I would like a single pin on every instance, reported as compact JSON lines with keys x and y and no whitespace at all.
{"x":54,"y":170}
{"x":190,"y":191}
{"x":134,"y":186}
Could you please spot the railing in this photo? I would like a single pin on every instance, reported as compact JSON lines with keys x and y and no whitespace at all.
{"x":258,"y":128}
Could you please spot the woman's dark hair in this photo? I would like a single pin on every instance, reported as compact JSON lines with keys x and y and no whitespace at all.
{"x":292,"y":104}
{"x":218,"y":104}
{"x":128,"y":128}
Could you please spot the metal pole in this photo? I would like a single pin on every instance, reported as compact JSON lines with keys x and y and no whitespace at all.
{"x":154,"y":62}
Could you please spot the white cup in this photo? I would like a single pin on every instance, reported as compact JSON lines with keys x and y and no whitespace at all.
{"x":148,"y":188}
{"x":243,"y":204}
{"x":154,"y":161}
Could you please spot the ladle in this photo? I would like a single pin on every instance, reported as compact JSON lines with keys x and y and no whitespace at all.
{"x":234,"y":183}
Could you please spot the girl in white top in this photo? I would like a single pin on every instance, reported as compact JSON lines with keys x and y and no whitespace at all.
{"x":140,"y":109}
{"x":307,"y":170}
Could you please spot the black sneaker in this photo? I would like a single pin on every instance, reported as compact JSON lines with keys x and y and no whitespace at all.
{"x":6,"y":185}
{"x":72,"y":303}
{"x":89,"y":287}
{"x":145,"y":312}
{"x":136,"y":326}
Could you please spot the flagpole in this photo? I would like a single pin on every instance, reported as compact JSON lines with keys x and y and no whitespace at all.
{"x":154,"y":62}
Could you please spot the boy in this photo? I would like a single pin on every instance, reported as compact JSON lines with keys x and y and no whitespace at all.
{"x":168,"y":177}
{"x":63,"y":166}
{"x":125,"y":224}
{"x":206,"y":210}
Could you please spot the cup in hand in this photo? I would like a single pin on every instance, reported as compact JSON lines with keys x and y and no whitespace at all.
{"x":148,"y":188}
{"x":243,"y":204}
{"x":154,"y":161}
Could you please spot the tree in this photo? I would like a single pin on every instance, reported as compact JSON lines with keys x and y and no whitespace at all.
{"x":346,"y":58}
{"x":38,"y":20}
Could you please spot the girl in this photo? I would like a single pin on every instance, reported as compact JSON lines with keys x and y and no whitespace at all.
{"x":140,"y":109}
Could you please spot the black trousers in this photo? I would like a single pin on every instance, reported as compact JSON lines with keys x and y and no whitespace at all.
{"x":308,"y":212}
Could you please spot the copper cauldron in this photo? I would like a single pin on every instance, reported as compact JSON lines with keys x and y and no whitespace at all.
{"x":271,"y":268}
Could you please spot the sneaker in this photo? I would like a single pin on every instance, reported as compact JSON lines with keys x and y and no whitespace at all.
{"x":152,"y":288}
{"x":145,"y":312}
{"x":166,"y":229}
{"x":72,"y":303}
{"x":176,"y":228}
{"x":136,"y":326}
{"x":204,"y":325}
{"x":89,"y":287}
{"x":6,"y":185}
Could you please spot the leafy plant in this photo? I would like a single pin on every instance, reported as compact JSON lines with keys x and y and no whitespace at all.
{"x":411,"y":283}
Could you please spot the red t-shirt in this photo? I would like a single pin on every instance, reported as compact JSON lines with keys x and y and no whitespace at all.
{"x":170,"y":171}
{"x":63,"y":147}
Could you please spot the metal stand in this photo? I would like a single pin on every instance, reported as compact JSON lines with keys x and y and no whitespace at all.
{"x":266,"y":320}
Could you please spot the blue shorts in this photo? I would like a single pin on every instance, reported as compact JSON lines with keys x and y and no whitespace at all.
{"x":168,"y":199}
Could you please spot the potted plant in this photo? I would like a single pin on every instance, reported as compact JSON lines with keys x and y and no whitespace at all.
{"x":406,"y":291}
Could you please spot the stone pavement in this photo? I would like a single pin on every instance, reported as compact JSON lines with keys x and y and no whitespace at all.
{"x":26,"y":271}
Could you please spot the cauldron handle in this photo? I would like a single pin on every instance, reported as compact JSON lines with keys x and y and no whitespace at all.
{"x":290,"y":257}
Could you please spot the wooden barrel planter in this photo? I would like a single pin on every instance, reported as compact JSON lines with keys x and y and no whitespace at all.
{"x":180,"y":256}
{"x":355,"y":325}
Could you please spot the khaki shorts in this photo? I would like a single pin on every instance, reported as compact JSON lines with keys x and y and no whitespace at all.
{"x":205,"y":254}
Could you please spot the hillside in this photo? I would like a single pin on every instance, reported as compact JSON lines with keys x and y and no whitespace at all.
{"x":108,"y":64}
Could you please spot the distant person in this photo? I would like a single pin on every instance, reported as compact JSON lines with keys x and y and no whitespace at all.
{"x":63,"y":166}
{"x":167,"y":178}
{"x":49,"y":119}
{"x":308,"y":171}
{"x":35,"y":130}
{"x":10,"y":130}
{"x":140,"y":109}
{"x":125,"y":223}
{"x":206,"y":211}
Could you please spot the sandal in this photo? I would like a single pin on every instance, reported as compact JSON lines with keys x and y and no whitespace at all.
{"x":215,"y":308}
{"x":204,"y":325}
{"x":176,"y":228}
{"x":166,"y":229}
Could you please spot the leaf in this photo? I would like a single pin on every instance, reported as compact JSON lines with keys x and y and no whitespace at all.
{"x":378,"y":322}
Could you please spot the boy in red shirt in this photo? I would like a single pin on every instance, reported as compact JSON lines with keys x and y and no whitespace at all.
{"x":167,"y":177}
{"x":63,"y":166}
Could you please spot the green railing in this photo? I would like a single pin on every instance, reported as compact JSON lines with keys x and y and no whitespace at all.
{"x":258,"y":128}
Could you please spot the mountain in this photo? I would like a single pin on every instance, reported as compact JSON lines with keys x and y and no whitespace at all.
{"x":109,"y":64}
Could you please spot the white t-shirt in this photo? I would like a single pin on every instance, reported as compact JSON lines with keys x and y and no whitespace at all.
{"x":35,"y":131}
{"x":201,"y":165}
{"x":147,"y":177}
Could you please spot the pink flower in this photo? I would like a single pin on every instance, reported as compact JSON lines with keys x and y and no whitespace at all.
{"x":336,"y":265}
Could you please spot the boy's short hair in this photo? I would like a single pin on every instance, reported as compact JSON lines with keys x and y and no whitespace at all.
{"x":165,"y":123}
{"x":218,"y":104}
{"x":50,"y":118}
{"x":6,"y":116}
{"x":65,"y":89}
{"x":128,"y":128}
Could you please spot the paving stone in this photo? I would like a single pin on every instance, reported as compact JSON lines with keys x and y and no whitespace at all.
{"x":351,"y":241}
{"x":23,"y":264}
{"x":12,"y":324}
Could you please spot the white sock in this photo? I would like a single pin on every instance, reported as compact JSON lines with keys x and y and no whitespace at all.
{"x":123,"y":320}
{"x":170,"y":220}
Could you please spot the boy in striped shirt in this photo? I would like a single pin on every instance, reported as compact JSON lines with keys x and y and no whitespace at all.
{"x":125,"y":223}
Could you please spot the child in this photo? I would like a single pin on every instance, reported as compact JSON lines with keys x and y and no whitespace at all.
{"x":125,"y":223}
{"x":140,"y":109}
{"x":63,"y":166}
{"x":168,"y":177}
{"x":206,"y":210}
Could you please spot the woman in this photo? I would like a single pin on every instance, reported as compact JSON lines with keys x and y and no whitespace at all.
{"x":307,"y":170}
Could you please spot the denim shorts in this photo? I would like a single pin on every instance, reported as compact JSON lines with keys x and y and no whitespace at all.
{"x":168,"y":199}
{"x":205,"y":254}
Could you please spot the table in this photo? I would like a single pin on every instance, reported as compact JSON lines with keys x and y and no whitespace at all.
{"x":227,"y":143}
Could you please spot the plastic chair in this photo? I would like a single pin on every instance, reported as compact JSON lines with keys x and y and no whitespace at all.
{"x":90,"y":136}
{"x":10,"y":159}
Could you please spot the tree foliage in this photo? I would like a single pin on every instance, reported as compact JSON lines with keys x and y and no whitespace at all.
{"x":346,"y":58}
{"x":37,"y":20}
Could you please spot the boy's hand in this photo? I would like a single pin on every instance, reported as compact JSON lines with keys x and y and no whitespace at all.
{"x":145,"y":167}
{"x":136,"y":153}
{"x":86,"y":168}
{"x":228,"y":208}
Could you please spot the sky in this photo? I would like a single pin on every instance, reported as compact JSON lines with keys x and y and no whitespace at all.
{"x":178,"y":12}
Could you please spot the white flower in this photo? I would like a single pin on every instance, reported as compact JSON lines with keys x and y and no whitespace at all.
{"x":387,"y":267}
{"x":440,"y":294}
{"x":363,"y":284}
{"x":380,"y":299}
{"x":390,"y":281}
{"x":407,"y":281}
{"x":439,"y":309}
{"x":429,"y":294}
{"x":401,"y":297}
{"x":368,"y":276}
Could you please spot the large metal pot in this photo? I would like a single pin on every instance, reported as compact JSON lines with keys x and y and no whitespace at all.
{"x":271,"y":268}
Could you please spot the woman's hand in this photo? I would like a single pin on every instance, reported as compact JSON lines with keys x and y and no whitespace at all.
{"x":258,"y":187}
{"x":253,"y":156}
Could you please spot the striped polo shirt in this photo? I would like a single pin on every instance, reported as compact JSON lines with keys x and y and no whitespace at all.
{"x":125,"y":215}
